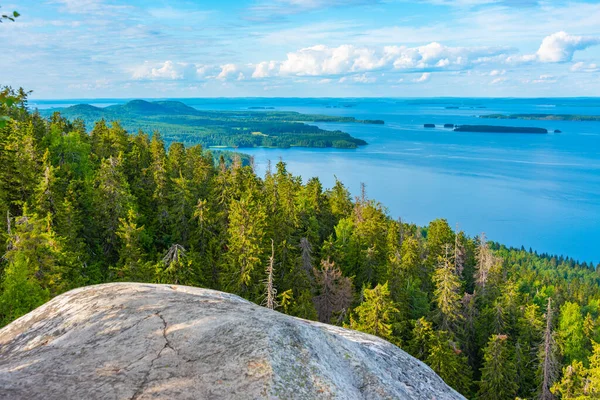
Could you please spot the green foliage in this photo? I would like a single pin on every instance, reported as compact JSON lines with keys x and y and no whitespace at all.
{"x":571,"y":337}
{"x":21,"y":291}
{"x":178,"y":122}
{"x":499,"y":373}
{"x":81,"y":208}
{"x":9,"y":17}
{"x":375,"y":313}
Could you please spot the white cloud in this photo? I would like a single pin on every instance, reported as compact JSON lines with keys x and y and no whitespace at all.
{"x":96,"y":7}
{"x":265,"y":69}
{"x":168,"y":70}
{"x":323,"y":60}
{"x":546,"y":78}
{"x":497,"y":72}
{"x":583,"y":67}
{"x":423,"y":78}
{"x":98,"y":84}
{"x":560,"y":46}
{"x":227,"y":70}
{"x":499,"y":80}
{"x":273,"y":9}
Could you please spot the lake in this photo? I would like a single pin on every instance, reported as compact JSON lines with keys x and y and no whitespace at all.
{"x":538,"y":191}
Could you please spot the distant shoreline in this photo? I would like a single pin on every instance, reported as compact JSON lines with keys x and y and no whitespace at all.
{"x":544,"y":117}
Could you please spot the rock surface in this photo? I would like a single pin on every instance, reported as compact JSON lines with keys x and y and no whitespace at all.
{"x":142,"y":341}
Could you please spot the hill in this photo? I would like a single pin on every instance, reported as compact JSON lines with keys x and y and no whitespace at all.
{"x":141,"y":341}
{"x":178,"y":122}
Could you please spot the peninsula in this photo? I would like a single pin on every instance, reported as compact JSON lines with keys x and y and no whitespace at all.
{"x":179,"y":122}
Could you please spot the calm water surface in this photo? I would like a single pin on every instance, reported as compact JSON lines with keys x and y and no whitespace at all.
{"x":539,"y":191}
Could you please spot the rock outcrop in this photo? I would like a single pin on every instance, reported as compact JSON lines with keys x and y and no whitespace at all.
{"x":142,"y":341}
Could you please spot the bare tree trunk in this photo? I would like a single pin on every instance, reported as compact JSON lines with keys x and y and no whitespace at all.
{"x":549,"y":365}
{"x":270,"y":301}
{"x":458,"y":254}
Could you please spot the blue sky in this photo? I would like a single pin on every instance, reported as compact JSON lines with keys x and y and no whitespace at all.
{"x":308,"y":48}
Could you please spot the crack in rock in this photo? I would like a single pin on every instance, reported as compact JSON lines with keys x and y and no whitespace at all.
{"x":141,"y":388}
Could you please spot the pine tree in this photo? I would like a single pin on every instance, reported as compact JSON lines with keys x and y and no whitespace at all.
{"x":112,"y":201}
{"x":571,"y":336}
{"x":20,"y":291}
{"x":574,"y":382}
{"x":131,"y":265}
{"x":447,"y":292}
{"x":247,"y":221}
{"x":376,"y":313}
{"x":498,"y":374}
{"x":447,"y":360}
{"x":160,"y":195}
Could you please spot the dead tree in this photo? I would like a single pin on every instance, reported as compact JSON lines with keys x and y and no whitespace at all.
{"x":306,"y":254}
{"x":549,"y":365}
{"x":459,"y":254}
{"x":270,"y":291}
{"x":175,"y":253}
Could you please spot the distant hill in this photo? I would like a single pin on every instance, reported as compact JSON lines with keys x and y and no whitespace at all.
{"x":544,"y":117}
{"x":177,"y":121}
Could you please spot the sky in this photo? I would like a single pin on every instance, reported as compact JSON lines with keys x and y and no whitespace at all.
{"x":63,"y":49}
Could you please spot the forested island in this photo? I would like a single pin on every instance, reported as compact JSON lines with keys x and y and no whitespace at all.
{"x":499,"y":129}
{"x":544,"y":117}
{"x":178,"y":122}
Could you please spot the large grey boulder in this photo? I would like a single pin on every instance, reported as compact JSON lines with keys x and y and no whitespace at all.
{"x":140,"y":341}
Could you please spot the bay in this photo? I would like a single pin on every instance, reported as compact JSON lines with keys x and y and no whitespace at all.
{"x":538,"y":191}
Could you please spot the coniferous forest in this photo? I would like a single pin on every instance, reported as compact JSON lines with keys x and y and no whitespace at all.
{"x":80,"y":209}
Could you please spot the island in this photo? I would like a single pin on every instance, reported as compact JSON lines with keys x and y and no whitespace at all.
{"x":544,"y":117}
{"x":499,"y":129}
{"x":429,"y":125}
{"x":448,"y":125}
{"x":178,"y":122}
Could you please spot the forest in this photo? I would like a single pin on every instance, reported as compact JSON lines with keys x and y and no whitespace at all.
{"x":108,"y":205}
{"x":178,"y":122}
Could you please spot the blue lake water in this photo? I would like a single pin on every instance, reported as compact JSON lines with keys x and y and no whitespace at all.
{"x":539,"y":191}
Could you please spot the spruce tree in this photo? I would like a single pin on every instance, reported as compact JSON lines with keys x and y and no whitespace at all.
{"x":447,"y":292}
{"x":376,"y":313}
{"x":498,"y":374}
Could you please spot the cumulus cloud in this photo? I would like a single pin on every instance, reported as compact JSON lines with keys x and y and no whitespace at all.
{"x":265,"y":69}
{"x":359,"y":64}
{"x":227,"y":71}
{"x":560,"y":46}
{"x":498,"y":81}
{"x":323,"y":60}
{"x":168,"y":70}
{"x":346,"y":59}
